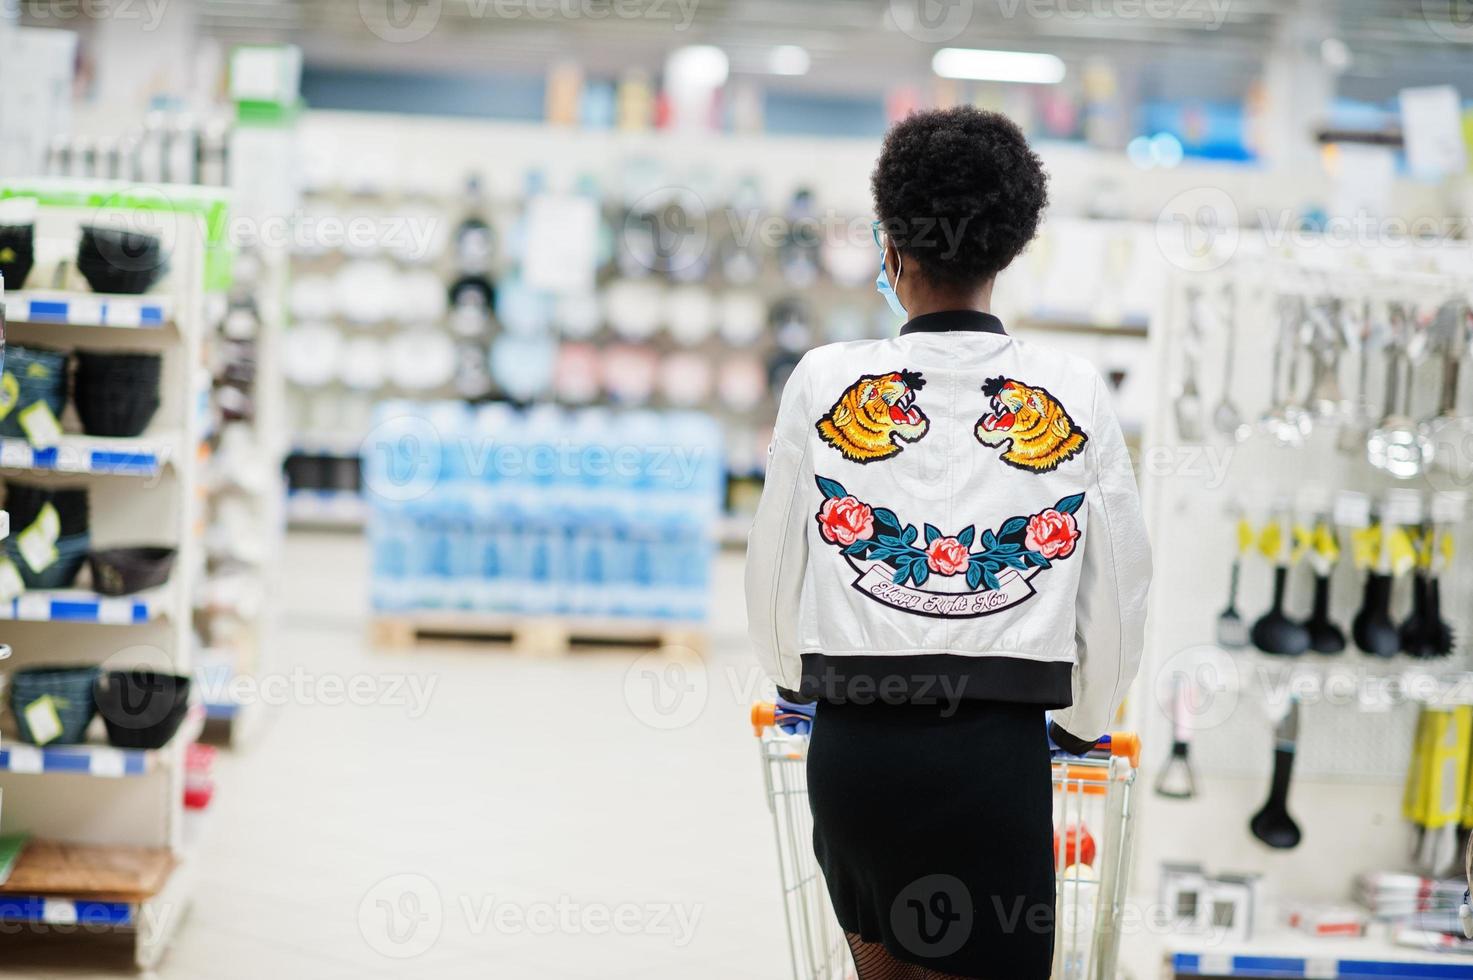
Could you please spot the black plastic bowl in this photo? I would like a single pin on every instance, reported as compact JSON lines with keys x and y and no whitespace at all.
{"x":116,"y":394}
{"x":123,"y":571}
{"x":17,"y":253}
{"x":117,"y":261}
{"x":24,"y":501}
{"x":142,"y":709}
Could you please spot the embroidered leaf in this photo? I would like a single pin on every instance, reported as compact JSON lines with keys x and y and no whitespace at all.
{"x":989,"y":540}
{"x":990,"y":580}
{"x":1037,"y":559}
{"x":909,"y":537}
{"x":885,"y":519}
{"x":830,"y":488}
{"x":889,"y":539}
{"x":919,"y":571}
{"x":974,"y":575}
{"x":1013,"y":529}
{"x":966,"y":536}
{"x":932,"y":533}
{"x":1011,"y":548}
{"x":1069,"y":504}
{"x":1015,"y":561}
{"x":859,"y":548}
{"x":901,"y":574}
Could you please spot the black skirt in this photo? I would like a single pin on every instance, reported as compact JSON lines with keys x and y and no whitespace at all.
{"x":933,"y":826}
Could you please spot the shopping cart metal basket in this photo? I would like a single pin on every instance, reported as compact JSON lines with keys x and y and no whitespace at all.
{"x":1092,"y":847}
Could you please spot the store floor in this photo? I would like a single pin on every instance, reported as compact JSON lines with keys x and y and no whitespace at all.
{"x":595,"y":816}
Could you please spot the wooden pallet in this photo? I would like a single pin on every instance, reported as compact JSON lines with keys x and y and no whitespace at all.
{"x":541,"y":636}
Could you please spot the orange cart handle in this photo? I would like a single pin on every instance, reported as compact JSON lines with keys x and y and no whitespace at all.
{"x":764,"y":716}
{"x":1126,"y":744}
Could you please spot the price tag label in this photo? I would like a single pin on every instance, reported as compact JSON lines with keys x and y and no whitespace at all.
{"x":40,"y":425}
{"x":43,"y":721}
{"x":25,"y":758}
{"x":48,"y":521}
{"x":9,"y":394}
{"x":109,"y":763}
{"x":37,"y":549}
{"x":58,"y":912}
{"x":1352,"y":509}
{"x":10,"y":580}
{"x":1321,"y":969}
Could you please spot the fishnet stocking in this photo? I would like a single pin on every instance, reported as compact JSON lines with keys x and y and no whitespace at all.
{"x":874,"y":962}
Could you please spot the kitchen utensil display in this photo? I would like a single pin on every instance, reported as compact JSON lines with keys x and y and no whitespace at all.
{"x":1272,"y":824}
{"x":32,"y":375}
{"x":1327,"y":341}
{"x":58,"y":698}
{"x":116,"y":394}
{"x":17,"y":253}
{"x":1226,"y":418}
{"x":1232,"y":632}
{"x":117,"y":261}
{"x":1372,"y":628}
{"x":1177,"y":780}
{"x":1446,"y":432}
{"x":1188,"y":403}
{"x":1395,"y":445}
{"x":1437,"y":784}
{"x":1275,"y":632}
{"x":1275,"y":420}
{"x":1356,"y":425}
{"x":142,"y":709}
{"x":122,"y":571}
{"x":1324,"y":551}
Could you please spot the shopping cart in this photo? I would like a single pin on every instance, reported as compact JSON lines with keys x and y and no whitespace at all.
{"x":1092,"y":842}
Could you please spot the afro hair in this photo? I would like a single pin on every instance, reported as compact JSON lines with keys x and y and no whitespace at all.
{"x":960,"y":191}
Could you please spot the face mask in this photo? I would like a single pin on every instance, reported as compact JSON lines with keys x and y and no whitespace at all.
{"x":883,"y":287}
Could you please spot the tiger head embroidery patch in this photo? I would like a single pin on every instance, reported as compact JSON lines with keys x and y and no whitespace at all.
{"x":874,"y":416}
{"x":1035,"y":431}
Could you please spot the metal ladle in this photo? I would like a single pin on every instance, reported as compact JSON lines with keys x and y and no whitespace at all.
{"x":1226,"y":418}
{"x":1188,"y":404}
{"x":1356,"y":427}
{"x":1276,"y":420}
{"x":1447,"y":433}
{"x":1395,"y":445}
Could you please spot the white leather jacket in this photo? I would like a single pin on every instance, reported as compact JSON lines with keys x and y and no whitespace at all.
{"x":950,"y":514}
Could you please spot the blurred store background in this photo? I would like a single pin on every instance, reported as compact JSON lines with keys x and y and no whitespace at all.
{"x":436,"y":345}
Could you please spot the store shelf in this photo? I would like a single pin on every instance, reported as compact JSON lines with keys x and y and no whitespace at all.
{"x":91,"y":759}
{"x":1295,"y":955}
{"x":88,"y":309}
{"x":90,"y":454}
{"x":65,"y":911}
{"x":338,"y":508}
{"x":81,"y":606}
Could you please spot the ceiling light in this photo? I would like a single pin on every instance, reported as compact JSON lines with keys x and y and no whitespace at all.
{"x":788,"y":59}
{"x":998,"y":66}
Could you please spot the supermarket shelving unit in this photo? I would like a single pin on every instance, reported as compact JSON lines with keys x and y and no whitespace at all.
{"x":143,"y":491}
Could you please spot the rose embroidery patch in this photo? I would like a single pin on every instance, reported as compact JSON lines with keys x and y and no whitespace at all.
{"x":874,"y":416}
{"x":1036,"y":432}
{"x":932,"y":573}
